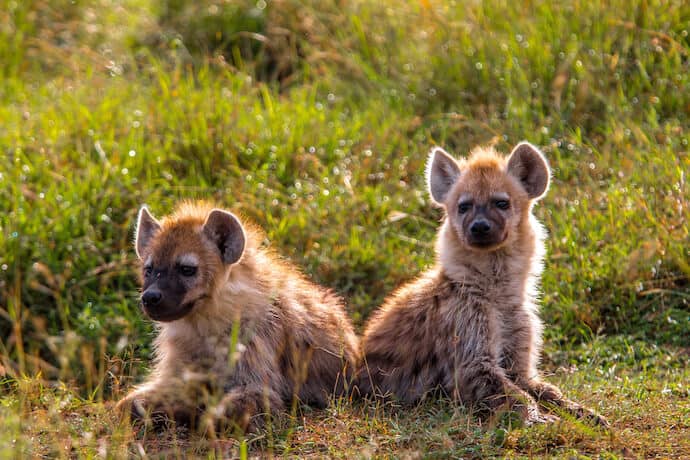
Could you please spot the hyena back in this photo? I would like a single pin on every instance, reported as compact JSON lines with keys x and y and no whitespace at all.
{"x":240,"y":331}
{"x":469,"y":326}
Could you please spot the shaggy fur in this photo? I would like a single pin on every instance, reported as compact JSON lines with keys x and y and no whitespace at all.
{"x":469,"y":326}
{"x":292,"y":338}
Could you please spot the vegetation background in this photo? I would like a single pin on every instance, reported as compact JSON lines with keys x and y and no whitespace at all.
{"x":314,"y":119}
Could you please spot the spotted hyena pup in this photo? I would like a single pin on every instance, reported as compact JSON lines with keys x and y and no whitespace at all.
{"x":469,"y":326}
{"x":240,"y":331}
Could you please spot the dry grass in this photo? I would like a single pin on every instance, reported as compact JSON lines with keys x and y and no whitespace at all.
{"x":314,"y":119}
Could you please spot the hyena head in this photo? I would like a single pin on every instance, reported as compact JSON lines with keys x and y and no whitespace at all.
{"x":183,"y":257}
{"x":487,"y":197}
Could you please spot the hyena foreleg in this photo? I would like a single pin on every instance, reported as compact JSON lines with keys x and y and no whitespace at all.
{"x":160,"y":404}
{"x":487,"y":385}
{"x":549,"y":395}
{"x":245,"y":408}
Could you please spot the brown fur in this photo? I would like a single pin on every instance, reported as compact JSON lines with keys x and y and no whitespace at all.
{"x":469,"y":326}
{"x":294,"y":339}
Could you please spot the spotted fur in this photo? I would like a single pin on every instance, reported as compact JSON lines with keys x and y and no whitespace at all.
{"x":468,"y":328}
{"x":293,"y":342}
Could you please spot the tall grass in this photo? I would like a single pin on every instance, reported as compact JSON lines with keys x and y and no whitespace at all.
{"x":314,"y":120}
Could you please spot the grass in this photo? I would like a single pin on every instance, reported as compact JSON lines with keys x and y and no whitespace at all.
{"x":314,"y":119}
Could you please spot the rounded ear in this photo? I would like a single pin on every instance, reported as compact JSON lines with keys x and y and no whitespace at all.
{"x":225,"y":230}
{"x":147,"y":227}
{"x":441,"y":173}
{"x":529,"y":166}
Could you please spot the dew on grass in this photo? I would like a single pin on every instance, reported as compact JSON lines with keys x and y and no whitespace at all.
{"x":132,"y":153}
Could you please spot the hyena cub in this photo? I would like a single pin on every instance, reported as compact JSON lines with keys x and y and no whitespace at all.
{"x":240,"y":331}
{"x":469,"y":326}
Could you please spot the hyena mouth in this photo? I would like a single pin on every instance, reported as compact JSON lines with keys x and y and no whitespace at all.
{"x":489,"y":242}
{"x":167,"y":315}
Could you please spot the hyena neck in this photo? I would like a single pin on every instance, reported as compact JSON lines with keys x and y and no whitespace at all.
{"x":516,"y":265}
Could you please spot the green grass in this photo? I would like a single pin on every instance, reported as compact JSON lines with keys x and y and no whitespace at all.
{"x":314,"y":120}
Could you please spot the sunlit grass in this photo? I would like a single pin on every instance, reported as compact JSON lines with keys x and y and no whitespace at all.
{"x":317,"y":128}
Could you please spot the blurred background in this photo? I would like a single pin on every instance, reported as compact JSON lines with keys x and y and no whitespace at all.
{"x":314,"y":119}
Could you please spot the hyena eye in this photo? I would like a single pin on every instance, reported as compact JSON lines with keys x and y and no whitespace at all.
{"x":464,"y":207}
{"x":502,"y":204}
{"x":187,"y":270}
{"x":147,"y":271}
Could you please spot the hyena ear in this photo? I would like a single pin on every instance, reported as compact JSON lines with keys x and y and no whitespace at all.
{"x":147,"y":227}
{"x":529,"y":166}
{"x":441,"y":173}
{"x":226,"y":231}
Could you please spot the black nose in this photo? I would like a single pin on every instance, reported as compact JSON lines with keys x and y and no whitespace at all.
{"x":480,"y":227}
{"x":151,"y":298}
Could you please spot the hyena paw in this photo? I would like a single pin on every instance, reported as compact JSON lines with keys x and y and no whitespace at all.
{"x":546,"y":392}
{"x":234,"y":412}
{"x":584,"y":413}
{"x":158,"y":412}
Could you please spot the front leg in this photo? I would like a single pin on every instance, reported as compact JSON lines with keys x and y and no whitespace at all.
{"x":159,"y":404}
{"x":486,"y":385}
{"x":245,"y":408}
{"x":547,"y":393}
